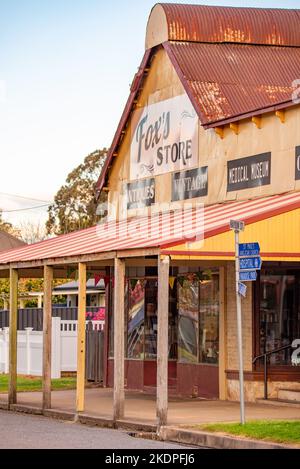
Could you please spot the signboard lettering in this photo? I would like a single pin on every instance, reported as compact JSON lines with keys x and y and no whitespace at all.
{"x":164,"y":138}
{"x":190,"y":184}
{"x":252,"y":171}
{"x":141,"y":193}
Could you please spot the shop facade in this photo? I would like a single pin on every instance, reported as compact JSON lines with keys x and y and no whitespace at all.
{"x":186,"y":139}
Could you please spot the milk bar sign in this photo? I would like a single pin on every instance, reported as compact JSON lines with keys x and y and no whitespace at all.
{"x":190,"y":184}
{"x":141,"y":193}
{"x":164,"y":138}
{"x":249,"y":172}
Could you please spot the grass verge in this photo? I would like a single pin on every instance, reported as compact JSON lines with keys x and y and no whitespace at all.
{"x":281,"y":431}
{"x":34,"y":383}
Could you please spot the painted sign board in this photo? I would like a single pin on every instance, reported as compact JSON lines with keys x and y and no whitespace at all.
{"x":140,"y":193}
{"x":248,"y":276}
{"x":190,"y":184}
{"x":164,"y":138}
{"x":252,"y":171}
{"x":249,"y":249}
{"x":250,"y":263}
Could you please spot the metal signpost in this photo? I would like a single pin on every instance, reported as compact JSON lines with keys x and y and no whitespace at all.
{"x":247,"y":262}
{"x":238,"y":226}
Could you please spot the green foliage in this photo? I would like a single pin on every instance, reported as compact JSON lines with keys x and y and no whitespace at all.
{"x":281,"y":431}
{"x":74,"y":205}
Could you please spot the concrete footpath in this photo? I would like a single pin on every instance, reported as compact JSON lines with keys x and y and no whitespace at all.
{"x":140,"y":412}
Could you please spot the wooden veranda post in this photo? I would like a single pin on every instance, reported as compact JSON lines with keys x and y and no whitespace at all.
{"x":47,"y":336}
{"x":119,"y":319}
{"x":13,"y":317}
{"x":162,"y":341}
{"x":81,"y":337}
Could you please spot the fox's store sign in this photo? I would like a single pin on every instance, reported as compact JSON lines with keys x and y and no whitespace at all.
{"x":164,"y":138}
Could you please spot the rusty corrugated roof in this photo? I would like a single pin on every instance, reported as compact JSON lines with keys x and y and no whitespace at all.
{"x":225,"y":81}
{"x":201,"y":23}
{"x":161,"y":230}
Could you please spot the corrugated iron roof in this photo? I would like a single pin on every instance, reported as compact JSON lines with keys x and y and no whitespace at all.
{"x":156,"y":231}
{"x":225,"y":81}
{"x":200,"y":23}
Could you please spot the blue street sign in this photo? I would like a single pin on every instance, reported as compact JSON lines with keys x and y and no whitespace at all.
{"x":242,"y":289}
{"x":249,"y":249}
{"x":248,"y":276}
{"x":250,"y":263}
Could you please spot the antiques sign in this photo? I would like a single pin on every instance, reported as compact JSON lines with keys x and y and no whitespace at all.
{"x":297,"y":168}
{"x":252,"y":171}
{"x":164,"y":138}
{"x":141,"y":193}
{"x":190,"y":184}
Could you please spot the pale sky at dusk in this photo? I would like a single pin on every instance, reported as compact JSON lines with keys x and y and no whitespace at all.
{"x":65,"y":71}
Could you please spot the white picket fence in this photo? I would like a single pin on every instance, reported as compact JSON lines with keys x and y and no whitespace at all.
{"x":30,"y":348}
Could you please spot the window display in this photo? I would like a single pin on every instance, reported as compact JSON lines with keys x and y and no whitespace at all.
{"x":279,"y":321}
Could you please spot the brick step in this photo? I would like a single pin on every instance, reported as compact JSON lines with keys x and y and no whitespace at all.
{"x":289,"y":395}
{"x":279,"y":403}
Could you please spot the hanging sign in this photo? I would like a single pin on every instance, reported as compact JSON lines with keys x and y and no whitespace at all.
{"x":141,"y":193}
{"x":297,"y":163}
{"x":164,"y":138}
{"x":252,"y":171}
{"x":190,"y":184}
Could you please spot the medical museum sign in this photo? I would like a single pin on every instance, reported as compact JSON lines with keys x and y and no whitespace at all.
{"x":245,"y":173}
{"x":164,"y":138}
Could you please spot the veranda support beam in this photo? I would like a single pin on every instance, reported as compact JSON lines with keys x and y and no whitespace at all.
{"x":162,"y":341}
{"x":119,"y":318}
{"x":47,"y":336}
{"x":13,"y":314}
{"x":81,"y":337}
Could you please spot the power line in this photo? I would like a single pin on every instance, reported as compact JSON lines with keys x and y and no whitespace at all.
{"x":25,"y":209}
{"x":24,"y":198}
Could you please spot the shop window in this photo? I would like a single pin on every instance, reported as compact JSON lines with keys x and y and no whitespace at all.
{"x":136,"y":319}
{"x":188,"y":324}
{"x":279,"y":315}
{"x":198,"y":311}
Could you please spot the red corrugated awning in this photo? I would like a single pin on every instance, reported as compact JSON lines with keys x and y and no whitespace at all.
{"x":157,"y":231}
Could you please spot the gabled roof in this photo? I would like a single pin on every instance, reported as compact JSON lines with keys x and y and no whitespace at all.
{"x":232,"y":62}
{"x":73,"y":286}
{"x":158,"y":231}
{"x":7,"y":241}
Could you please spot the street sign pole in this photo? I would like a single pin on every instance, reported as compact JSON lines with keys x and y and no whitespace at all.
{"x":237,"y":227}
{"x":239,"y":328}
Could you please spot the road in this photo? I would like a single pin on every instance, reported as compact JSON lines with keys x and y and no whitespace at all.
{"x":18,"y":431}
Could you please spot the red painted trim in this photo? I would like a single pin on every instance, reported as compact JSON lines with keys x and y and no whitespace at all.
{"x":247,"y":115}
{"x":125,"y":116}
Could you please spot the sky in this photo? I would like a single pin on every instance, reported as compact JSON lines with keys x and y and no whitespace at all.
{"x":65,"y":71}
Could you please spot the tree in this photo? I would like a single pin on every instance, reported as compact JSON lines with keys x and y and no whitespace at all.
{"x":8,"y":227}
{"x":74,"y":205}
{"x":32,"y":232}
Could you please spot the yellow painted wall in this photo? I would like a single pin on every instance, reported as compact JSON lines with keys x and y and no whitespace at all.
{"x":287,"y":239}
{"x":163,"y":83}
